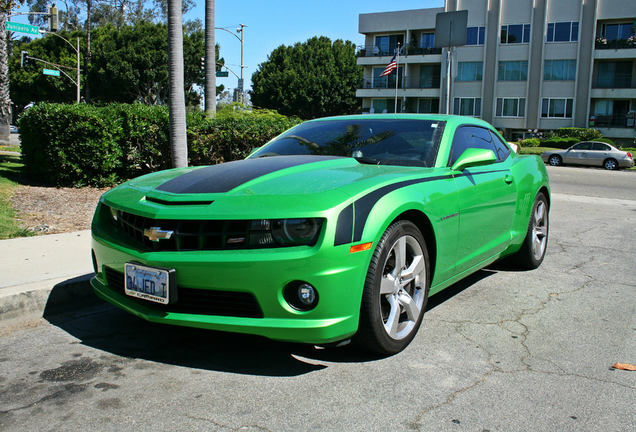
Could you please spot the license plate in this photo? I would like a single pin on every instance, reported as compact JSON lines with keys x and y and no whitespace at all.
{"x":149,"y":283}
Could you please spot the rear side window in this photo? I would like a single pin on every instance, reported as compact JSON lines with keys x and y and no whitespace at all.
{"x":473,"y":137}
{"x":502,"y":149}
{"x":601,"y":147}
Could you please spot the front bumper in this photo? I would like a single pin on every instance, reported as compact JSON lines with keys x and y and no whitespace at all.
{"x":337,"y":275}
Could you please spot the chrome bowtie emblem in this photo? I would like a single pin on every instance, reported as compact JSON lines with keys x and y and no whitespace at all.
{"x":156,"y":233}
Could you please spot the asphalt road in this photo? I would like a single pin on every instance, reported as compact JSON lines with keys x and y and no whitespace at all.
{"x":500,"y":351}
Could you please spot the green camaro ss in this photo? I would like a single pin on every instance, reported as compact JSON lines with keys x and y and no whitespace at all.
{"x":339,"y":228}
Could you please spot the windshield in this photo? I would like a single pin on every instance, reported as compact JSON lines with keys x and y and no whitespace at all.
{"x":375,"y":141}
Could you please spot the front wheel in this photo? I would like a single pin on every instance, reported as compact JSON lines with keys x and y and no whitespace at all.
{"x":395,"y":291}
{"x":555,"y":160}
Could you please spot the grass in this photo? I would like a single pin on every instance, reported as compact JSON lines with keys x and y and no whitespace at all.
{"x":10,"y":170}
{"x":13,"y":148}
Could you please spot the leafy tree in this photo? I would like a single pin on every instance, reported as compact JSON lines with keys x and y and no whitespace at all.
{"x":28,"y":84}
{"x":310,"y":79}
{"x":128,"y":64}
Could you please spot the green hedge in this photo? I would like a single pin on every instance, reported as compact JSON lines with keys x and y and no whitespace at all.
{"x":581,"y":134}
{"x":78,"y":145}
{"x":530,"y":142}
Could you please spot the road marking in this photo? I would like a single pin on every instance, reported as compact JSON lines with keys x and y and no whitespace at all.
{"x":593,"y":200}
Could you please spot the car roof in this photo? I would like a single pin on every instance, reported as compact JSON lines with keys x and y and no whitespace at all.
{"x":455,"y":120}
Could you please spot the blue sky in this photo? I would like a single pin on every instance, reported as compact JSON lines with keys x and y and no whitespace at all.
{"x":277,"y":22}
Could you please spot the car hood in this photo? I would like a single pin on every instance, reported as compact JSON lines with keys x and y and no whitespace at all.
{"x":279,"y":186}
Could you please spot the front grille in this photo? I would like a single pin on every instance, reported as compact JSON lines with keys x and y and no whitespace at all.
{"x":187,"y":235}
{"x":196,"y":301}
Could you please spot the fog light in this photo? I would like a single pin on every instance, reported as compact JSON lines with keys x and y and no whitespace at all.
{"x":306,"y":294}
{"x":301,"y":295}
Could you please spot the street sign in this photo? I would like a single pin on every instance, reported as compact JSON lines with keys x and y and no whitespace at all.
{"x":450,"y":29}
{"x":22,"y":28}
{"x":51,"y":72}
{"x":222,"y":74}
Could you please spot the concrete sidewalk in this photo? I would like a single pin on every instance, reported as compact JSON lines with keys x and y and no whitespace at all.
{"x":31,"y":267}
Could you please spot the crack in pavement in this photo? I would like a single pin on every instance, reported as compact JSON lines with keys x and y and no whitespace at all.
{"x":522,"y":338}
{"x":221,"y":425}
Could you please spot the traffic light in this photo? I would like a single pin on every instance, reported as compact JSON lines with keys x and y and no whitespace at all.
{"x":53,"y":18}
{"x":24,"y":58}
{"x":202,"y":63}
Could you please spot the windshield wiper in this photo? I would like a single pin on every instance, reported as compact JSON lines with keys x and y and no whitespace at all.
{"x":368,"y":160}
{"x":268,"y":154}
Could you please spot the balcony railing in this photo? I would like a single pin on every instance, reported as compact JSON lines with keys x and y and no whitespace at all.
{"x":614,"y":121}
{"x":602,"y":43}
{"x":374,"y":51}
{"x":391,"y":85}
{"x":617,"y":80}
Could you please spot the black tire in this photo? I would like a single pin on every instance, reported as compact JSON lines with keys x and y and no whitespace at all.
{"x":377,"y":308}
{"x":610,"y":164}
{"x":528,"y":258}
{"x":555,"y":160}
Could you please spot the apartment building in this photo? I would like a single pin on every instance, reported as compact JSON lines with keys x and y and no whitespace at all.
{"x":526,"y":65}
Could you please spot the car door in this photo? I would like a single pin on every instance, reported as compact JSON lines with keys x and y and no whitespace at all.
{"x":578,"y":154}
{"x":486,"y":198}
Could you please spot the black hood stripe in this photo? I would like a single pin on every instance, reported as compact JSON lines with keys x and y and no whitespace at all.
{"x":227,"y":176}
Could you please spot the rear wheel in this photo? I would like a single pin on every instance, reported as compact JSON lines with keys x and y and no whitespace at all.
{"x":610,"y":164}
{"x":555,"y":160}
{"x":395,"y":291}
{"x":532,"y":252}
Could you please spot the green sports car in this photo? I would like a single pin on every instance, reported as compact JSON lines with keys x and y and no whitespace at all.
{"x":340,"y":228}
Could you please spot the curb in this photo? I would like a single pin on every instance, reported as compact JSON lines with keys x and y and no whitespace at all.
{"x":29,"y":302}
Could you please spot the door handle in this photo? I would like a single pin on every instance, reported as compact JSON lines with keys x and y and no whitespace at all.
{"x":508,"y":178}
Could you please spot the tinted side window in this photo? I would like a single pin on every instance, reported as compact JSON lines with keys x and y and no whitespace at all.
{"x":583,"y":146}
{"x":470,"y":137}
{"x":601,"y":147}
{"x":502,"y":149}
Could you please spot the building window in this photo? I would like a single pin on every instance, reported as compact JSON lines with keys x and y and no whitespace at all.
{"x":387,"y":81}
{"x":515,"y":33}
{"x":469,"y":71}
{"x":379,"y":106}
{"x":613,"y":32}
{"x":388,"y":44}
{"x":429,"y":76}
{"x":559,"y":70}
{"x":428,"y":106}
{"x":556,"y":108}
{"x":467,"y":106}
{"x":475,"y":35}
{"x":513,"y":70}
{"x":427,"y":40}
{"x":511,"y":107}
{"x":563,"y":32}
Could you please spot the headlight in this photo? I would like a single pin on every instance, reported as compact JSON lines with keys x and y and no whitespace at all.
{"x":285,"y":232}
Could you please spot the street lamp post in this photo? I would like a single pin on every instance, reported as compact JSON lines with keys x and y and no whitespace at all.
{"x":242,"y":40}
{"x":77,"y":51}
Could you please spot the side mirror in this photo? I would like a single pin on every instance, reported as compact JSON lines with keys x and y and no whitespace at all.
{"x":473,"y":157}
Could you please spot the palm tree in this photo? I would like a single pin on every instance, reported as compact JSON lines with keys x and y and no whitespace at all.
{"x":210,"y":60}
{"x":5,"y":100}
{"x":176,"y":103}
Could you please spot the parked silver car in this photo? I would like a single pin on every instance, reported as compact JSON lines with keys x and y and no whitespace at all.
{"x":592,"y":153}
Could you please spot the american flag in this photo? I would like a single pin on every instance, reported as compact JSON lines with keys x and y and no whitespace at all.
{"x":390,"y":67}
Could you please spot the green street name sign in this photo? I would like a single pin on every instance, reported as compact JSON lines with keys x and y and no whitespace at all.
{"x":222,"y":74}
{"x":51,"y":72}
{"x":22,"y":28}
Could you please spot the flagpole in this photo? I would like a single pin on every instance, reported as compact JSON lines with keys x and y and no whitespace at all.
{"x":397,"y":75}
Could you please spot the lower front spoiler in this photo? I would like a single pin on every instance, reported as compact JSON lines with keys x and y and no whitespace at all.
{"x":315,"y":331}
